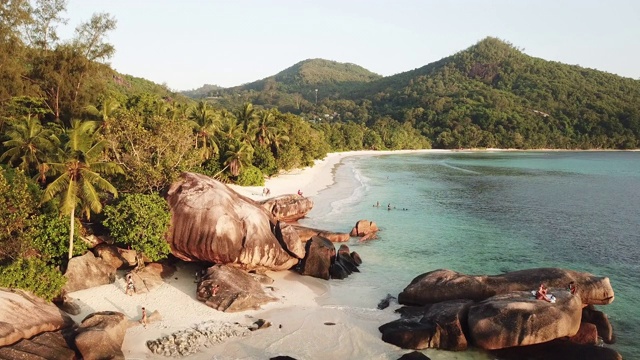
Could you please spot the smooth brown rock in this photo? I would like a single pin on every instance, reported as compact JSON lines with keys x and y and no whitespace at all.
{"x":438,"y":326}
{"x":212,"y":223}
{"x":414,"y":355}
{"x":587,"y":334}
{"x":519,"y":319}
{"x":364,"y":228}
{"x":151,"y":277}
{"x":109,"y":253}
{"x":601,"y":321}
{"x":288,"y":207}
{"x":100,"y":335}
{"x":88,"y":271}
{"x":558,"y":350}
{"x":287,"y":235}
{"x":48,"y":345}
{"x":442,"y":285}
{"x":306,"y":233}
{"x":237,"y":290}
{"x":343,"y":256}
{"x":318,"y":259}
{"x":23,"y":315}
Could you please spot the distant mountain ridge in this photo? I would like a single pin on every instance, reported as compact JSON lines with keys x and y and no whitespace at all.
{"x":488,"y":95}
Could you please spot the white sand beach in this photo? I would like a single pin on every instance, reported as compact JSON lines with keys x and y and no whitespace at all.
{"x":298,"y":329}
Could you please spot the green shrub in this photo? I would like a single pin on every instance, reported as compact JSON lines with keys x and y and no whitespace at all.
{"x":263,"y":159}
{"x":34,"y":275}
{"x":141,"y":221}
{"x":50,"y":237}
{"x":19,"y":198}
{"x":250,"y":176}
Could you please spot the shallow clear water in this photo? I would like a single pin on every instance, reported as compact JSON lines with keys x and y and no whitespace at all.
{"x":488,"y":213}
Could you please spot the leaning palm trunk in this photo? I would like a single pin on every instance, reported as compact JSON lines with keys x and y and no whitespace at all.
{"x":72,"y":216}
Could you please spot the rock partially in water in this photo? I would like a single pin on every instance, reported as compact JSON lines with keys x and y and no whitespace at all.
{"x":442,"y":285}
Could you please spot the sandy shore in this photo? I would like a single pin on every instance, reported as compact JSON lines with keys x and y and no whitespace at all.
{"x":299,"y":321}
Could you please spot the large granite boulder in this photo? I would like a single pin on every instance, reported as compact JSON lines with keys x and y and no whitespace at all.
{"x":601,"y":321}
{"x":306,"y":233}
{"x":344,"y":258}
{"x":287,"y":235}
{"x":151,"y":277}
{"x":48,"y":345}
{"x":229,"y":289}
{"x":115,"y":256}
{"x":437,"y":326}
{"x":320,"y":255}
{"x":363,"y":228}
{"x":288,"y":208}
{"x":441,"y":285}
{"x":88,"y":271}
{"x":212,"y":223}
{"x":559,"y":349}
{"x":587,"y":334}
{"x":23,"y":315}
{"x":100,"y":335}
{"x":518,"y":318}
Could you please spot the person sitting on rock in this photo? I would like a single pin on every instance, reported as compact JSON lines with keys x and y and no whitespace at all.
{"x":541,"y":294}
{"x":215,"y":289}
{"x":572,"y":287}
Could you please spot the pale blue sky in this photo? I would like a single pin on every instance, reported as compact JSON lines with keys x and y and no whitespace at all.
{"x":188,"y":43}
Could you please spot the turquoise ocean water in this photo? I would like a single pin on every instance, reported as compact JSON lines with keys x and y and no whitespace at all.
{"x":489,"y":213}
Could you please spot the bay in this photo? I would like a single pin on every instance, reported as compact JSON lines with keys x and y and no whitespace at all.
{"x":489,"y":213}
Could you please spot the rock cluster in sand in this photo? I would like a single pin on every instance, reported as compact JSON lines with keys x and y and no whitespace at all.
{"x":189,"y":341}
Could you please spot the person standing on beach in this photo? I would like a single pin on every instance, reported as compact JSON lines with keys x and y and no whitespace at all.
{"x":144,"y":320}
{"x":130,"y":287}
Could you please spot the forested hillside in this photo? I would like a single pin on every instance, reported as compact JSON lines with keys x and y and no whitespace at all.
{"x":493,"y":95}
{"x":489,"y":95}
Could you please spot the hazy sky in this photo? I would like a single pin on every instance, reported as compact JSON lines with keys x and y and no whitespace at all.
{"x":187,"y":43}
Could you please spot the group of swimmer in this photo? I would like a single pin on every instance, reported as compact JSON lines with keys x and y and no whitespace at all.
{"x":388,"y":206}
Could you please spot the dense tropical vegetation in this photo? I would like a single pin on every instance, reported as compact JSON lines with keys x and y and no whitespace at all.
{"x":76,"y":137}
{"x":489,"y":95}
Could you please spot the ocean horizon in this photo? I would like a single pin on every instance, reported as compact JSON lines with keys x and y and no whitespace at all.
{"x":488,"y":213}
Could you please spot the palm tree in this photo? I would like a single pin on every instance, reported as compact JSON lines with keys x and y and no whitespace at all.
{"x":277,"y":139}
{"x":238,"y":156}
{"x":79,"y":173}
{"x":29,"y":143}
{"x":245,"y":115}
{"x":107,"y":109}
{"x":206,"y":125}
{"x":265,"y":128}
